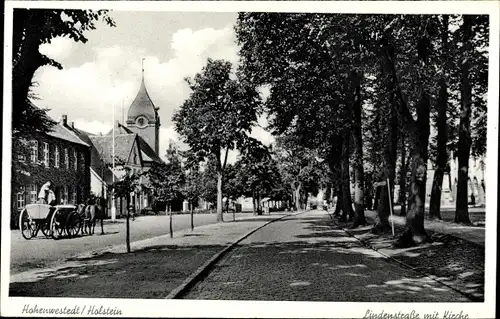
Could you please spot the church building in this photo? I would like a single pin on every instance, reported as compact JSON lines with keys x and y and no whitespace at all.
{"x":134,"y":145}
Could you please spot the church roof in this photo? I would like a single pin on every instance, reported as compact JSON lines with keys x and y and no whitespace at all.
{"x":142,"y":105}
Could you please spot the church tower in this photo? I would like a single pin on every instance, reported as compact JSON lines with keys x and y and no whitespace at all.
{"x":143,"y":117}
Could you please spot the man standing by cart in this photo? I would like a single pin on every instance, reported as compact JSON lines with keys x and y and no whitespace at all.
{"x":46,"y":195}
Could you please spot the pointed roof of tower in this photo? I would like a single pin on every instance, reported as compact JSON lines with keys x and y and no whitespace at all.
{"x":142,"y":105}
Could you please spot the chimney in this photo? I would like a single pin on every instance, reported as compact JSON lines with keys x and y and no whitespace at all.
{"x":64,"y":119}
{"x":72,"y":124}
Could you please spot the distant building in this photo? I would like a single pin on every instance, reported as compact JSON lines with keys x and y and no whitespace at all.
{"x":60,"y":157}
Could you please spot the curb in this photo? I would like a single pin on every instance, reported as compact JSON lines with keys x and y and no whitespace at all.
{"x":203,"y":270}
{"x":109,"y":248}
{"x":431,"y":276}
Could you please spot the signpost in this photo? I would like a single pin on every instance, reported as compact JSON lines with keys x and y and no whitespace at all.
{"x":390,"y":206}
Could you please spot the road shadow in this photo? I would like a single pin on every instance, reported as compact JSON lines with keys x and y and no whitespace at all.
{"x":453,"y":261}
{"x":321,"y":271}
{"x":150,"y":272}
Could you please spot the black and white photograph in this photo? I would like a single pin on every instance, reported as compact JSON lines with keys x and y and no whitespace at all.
{"x":246,"y":159}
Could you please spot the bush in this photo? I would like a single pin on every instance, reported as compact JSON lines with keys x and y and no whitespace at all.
{"x":14,"y":219}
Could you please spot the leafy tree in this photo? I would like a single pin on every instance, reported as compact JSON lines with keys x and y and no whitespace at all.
{"x":306,"y":59}
{"x":124,"y":187}
{"x":474,"y":34}
{"x":298,"y":167}
{"x":217,"y":116}
{"x":192,"y":190}
{"x":232,"y":186}
{"x":208,"y":181}
{"x":442,"y":127}
{"x":33,"y":27}
{"x":167,"y":180}
{"x":256,"y":171}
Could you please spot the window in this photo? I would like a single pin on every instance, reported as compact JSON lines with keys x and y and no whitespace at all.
{"x":82,"y":161}
{"x":56,"y":156}
{"x":73,"y":195}
{"x":21,"y":197}
{"x":66,"y":157}
{"x":46,"y":154}
{"x":34,"y":151}
{"x":33,"y":193}
{"x":66,"y":195}
{"x":75,"y":158}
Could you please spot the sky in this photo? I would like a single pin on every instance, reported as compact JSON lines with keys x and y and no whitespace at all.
{"x":105,"y":72}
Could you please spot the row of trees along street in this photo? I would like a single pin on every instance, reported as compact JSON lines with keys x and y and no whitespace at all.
{"x":363,"y":92}
{"x":350,"y":98}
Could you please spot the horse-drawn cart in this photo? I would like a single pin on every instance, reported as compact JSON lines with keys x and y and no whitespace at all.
{"x":53,"y":221}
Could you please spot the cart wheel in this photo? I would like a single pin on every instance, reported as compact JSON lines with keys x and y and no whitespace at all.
{"x":45,"y":228}
{"x":26,"y":225}
{"x":73,"y":224}
{"x":57,"y":225}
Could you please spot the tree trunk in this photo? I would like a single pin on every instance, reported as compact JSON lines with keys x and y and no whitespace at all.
{"x":389,"y":132}
{"x":414,"y":232}
{"x":253,"y":203}
{"x":297,"y":197}
{"x":102,"y":225}
{"x":220,"y":217}
{"x":359,"y":176}
{"x":442,"y":128}
{"x":346,"y":185}
{"x":418,"y":133}
{"x":403,"y":176}
{"x":170,"y":222}
{"x":383,"y":203}
{"x":464,"y":135}
{"x":339,"y":206}
{"x":128,"y":225}
{"x":192,"y":216}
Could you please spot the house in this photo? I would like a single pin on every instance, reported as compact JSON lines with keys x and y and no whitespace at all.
{"x":60,"y":157}
{"x":130,"y":150}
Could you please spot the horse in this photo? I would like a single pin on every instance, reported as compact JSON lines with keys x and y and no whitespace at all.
{"x":90,"y":214}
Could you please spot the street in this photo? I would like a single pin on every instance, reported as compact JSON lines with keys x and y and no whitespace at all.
{"x":41,"y":252}
{"x":305,"y":258}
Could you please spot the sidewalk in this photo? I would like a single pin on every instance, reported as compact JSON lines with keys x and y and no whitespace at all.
{"x":473,"y":234}
{"x":155,"y":267}
{"x":456,"y":256}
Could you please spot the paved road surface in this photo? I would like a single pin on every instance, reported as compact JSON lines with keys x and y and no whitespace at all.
{"x":303,"y":258}
{"x":41,"y":252}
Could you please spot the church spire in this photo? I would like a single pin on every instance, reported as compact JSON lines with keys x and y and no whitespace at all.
{"x":142,"y":61}
{"x":142,"y":106}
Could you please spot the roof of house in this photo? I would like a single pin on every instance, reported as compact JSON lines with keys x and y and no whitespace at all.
{"x":148,"y":154}
{"x":122,"y":149}
{"x":96,"y":162}
{"x":61,"y":132}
